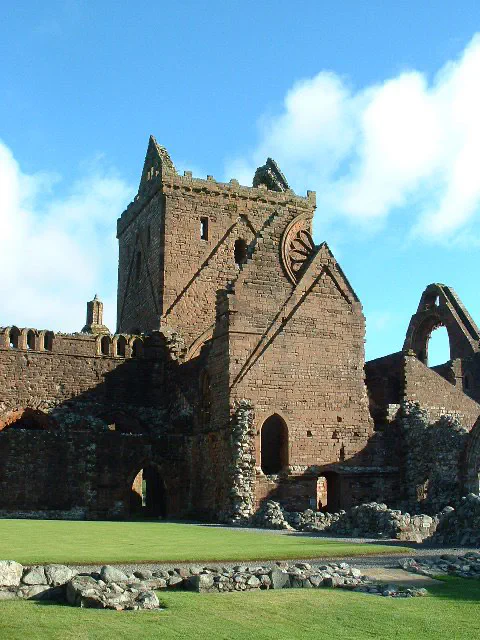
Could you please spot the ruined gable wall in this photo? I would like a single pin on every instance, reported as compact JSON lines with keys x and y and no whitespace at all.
{"x":305,"y":365}
{"x":311,"y":368}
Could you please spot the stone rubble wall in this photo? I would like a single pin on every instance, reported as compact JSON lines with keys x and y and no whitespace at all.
{"x":460,"y":526}
{"x":243,"y":464}
{"x":434,"y":449}
{"x":77,"y":513}
{"x":112,"y":588}
{"x":462,"y":566}
{"x":370,"y":520}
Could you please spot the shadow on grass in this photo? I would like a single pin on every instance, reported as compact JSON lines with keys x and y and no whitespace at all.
{"x":51,"y":603}
{"x":456,"y":589}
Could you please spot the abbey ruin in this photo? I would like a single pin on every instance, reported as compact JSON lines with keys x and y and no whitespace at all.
{"x":236,"y":374}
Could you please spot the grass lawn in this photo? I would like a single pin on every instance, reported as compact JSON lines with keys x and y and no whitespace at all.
{"x":452,"y":611}
{"x":84,"y":542}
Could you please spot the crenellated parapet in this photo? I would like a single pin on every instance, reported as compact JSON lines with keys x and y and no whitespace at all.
{"x":26,"y":339}
{"x":160,"y":175}
{"x":48,"y":342}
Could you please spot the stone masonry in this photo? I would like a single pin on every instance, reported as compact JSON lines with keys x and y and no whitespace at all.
{"x":236,"y":374}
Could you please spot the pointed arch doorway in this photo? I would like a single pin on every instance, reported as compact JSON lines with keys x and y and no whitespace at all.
{"x":148,"y":495}
{"x":274,"y":445}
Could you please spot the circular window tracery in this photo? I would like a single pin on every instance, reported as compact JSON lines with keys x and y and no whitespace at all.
{"x":297,"y":247}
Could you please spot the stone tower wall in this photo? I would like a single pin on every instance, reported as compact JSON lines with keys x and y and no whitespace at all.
{"x":139,"y":293}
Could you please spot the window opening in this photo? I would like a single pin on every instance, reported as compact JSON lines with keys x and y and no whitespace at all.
{"x":240,"y":251}
{"x":30,"y":340}
{"x":137,"y":348}
{"x":203,"y":228}
{"x":105,"y":346}
{"x":438,"y":347}
{"x":48,"y":341}
{"x":121,"y":344}
{"x":14,"y":338}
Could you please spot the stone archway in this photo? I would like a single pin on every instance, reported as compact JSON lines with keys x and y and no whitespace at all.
{"x":441,"y":307}
{"x":148,"y":493}
{"x":423,"y":335}
{"x":27,"y":419}
{"x":328,"y":492}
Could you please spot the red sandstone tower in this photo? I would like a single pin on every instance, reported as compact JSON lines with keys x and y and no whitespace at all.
{"x":265,"y":316}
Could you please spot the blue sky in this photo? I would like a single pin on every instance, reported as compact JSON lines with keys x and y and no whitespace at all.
{"x":372,"y":104}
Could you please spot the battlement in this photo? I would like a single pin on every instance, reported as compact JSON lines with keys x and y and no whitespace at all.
{"x":28,"y":340}
{"x":160,"y":175}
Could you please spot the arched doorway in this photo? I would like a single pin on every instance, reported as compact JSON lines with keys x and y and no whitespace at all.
{"x":26,"y":419}
{"x":328,"y":494}
{"x":148,"y":496}
{"x":274,"y":445}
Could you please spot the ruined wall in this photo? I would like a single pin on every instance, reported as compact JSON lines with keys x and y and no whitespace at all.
{"x":385,"y":380}
{"x":88,"y":473}
{"x":434,"y":448}
{"x":76,"y":427}
{"x":432,"y":392}
{"x":73,"y":368}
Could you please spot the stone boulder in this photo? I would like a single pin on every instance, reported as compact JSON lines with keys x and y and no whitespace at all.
{"x":271,"y":515}
{"x":85,"y":591}
{"x":10,"y":573}
{"x":58,"y":574}
{"x":34,"y":575}
{"x":112,"y":574}
{"x":201,"y":583}
{"x":279,"y":579}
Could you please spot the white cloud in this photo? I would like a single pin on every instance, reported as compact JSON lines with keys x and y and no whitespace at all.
{"x":56,"y":252}
{"x":405,"y":143}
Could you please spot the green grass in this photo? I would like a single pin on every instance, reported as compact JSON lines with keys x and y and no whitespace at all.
{"x":451,"y":612}
{"x":42,"y":541}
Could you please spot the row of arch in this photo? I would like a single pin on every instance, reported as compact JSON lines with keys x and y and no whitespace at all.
{"x":28,"y":339}
{"x":120,"y":346}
